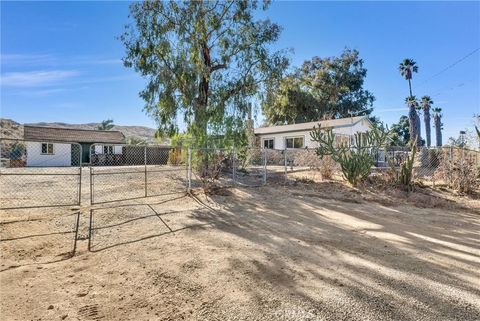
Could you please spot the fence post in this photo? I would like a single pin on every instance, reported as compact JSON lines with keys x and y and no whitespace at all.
{"x":145,"y":163}
{"x":450,"y":166}
{"x":234,"y":165}
{"x":264,"y":166}
{"x":433,"y":161}
{"x":285,"y":163}
{"x":91,"y":186}
{"x":189,"y":170}
{"x":80,"y":176}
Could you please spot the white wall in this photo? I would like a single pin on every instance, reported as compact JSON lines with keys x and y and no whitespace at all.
{"x":62,"y":155}
{"x":279,"y":139}
{"x":117,"y":149}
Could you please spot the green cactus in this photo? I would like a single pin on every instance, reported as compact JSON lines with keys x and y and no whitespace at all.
{"x":355,"y":161}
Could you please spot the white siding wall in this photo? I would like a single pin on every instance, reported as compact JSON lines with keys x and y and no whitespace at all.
{"x":62,"y":155}
{"x":279,"y":139}
{"x":117,"y":149}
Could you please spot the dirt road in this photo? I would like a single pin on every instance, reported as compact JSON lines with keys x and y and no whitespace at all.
{"x":270,"y":253}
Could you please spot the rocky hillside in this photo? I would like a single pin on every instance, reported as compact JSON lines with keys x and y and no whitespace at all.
{"x":12,"y":129}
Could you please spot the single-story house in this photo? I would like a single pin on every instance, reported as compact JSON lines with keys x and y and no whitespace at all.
{"x":298,"y":135}
{"x":50,"y":146}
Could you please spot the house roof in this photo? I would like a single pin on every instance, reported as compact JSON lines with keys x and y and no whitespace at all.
{"x":332,"y":123}
{"x":57,"y":134}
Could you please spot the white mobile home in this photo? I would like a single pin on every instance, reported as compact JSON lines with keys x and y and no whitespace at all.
{"x":298,"y":135}
{"x":54,"y":146}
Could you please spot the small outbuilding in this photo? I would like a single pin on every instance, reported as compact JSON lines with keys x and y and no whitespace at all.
{"x":52,"y":146}
{"x":298,"y":135}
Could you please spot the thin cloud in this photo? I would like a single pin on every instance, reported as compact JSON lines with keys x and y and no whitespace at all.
{"x":41,"y":60}
{"x":27,"y":59}
{"x":45,"y":92}
{"x":36,"y":78}
{"x":99,"y":61}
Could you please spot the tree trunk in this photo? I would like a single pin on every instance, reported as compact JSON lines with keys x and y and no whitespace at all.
{"x":201,"y":115}
{"x":412,"y":122}
{"x":438,"y":130}
{"x":418,"y":129}
{"x":410,"y":86}
{"x":426,"y":119}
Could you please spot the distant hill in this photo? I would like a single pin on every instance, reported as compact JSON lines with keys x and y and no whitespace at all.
{"x":12,"y":129}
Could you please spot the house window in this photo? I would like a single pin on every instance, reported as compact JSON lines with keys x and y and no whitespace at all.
{"x":108,"y":150}
{"x":268,"y":143}
{"x":294,"y":142}
{"x":47,"y":148}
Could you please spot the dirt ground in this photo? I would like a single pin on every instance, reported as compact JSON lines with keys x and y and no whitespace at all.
{"x":296,"y":252}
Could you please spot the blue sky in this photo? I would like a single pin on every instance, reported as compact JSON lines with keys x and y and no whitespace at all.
{"x":61,"y":61}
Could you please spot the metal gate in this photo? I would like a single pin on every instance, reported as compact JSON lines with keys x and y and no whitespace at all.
{"x":122,"y":172}
{"x":39,"y":173}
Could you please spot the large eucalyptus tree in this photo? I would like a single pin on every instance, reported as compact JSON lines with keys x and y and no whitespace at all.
{"x":202,"y":61}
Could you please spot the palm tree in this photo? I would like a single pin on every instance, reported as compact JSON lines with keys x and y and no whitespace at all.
{"x":437,"y":123}
{"x":106,"y":125}
{"x":413,"y":120}
{"x":407,"y":68}
{"x":426,"y":105}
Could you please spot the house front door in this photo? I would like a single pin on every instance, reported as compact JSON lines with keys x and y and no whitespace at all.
{"x":86,"y":152}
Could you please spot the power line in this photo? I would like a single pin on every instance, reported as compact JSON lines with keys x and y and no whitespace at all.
{"x":453,"y":87}
{"x":450,"y":66}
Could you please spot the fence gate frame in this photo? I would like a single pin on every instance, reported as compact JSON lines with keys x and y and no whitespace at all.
{"x":78,"y":166}
{"x":141,"y":161}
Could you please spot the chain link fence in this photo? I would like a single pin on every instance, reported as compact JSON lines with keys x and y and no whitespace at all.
{"x":217,"y":167}
{"x":35,"y":174}
{"x":439,"y":166}
{"x":39,"y":174}
{"x":447,"y":166}
{"x":121,"y":172}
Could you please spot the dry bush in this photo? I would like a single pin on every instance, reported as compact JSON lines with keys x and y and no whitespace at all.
{"x":175,"y":157}
{"x":208,"y":166}
{"x":275,"y":157}
{"x":328,"y":167}
{"x":458,"y":172}
{"x":246,"y":157}
{"x":383,"y":177}
{"x":308,"y":158}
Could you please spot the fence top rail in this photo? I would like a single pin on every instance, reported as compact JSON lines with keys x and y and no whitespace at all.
{"x":132,"y":145}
